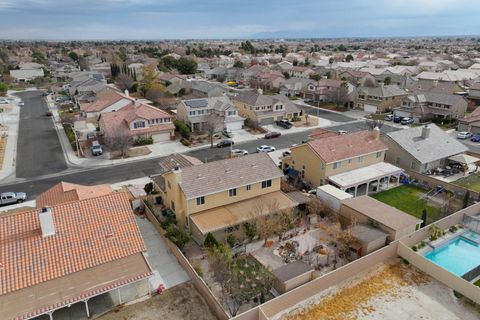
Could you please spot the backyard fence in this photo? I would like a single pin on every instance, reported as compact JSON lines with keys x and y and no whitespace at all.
{"x":198,"y":282}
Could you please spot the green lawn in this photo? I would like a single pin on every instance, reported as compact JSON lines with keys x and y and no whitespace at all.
{"x":471,"y":182}
{"x":477,"y":283}
{"x":405,"y":198}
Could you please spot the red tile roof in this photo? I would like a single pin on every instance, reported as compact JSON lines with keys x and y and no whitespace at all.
{"x":345,"y":146}
{"x":104,"y":99}
{"x":88,"y":233}
{"x":64,"y":192}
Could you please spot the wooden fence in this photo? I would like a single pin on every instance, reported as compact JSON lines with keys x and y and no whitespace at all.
{"x":198,"y":282}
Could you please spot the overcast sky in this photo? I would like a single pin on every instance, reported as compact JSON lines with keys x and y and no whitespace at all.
{"x":172,"y":19}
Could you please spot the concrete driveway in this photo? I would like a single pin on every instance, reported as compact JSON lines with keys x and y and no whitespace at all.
{"x":38,"y":149}
{"x":165,"y":267}
{"x":324,"y":114}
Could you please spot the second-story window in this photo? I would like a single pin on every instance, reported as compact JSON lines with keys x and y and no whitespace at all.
{"x":200,"y":201}
{"x":360,"y":159}
{"x":139,"y":124}
{"x":266,"y":184}
{"x":248,"y":187}
{"x":232,"y":192}
{"x":337,"y":165}
{"x":379,"y":154}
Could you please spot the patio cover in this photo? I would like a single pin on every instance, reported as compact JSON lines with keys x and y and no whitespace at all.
{"x":464,"y":159}
{"x":359,"y":176}
{"x":226,"y":216}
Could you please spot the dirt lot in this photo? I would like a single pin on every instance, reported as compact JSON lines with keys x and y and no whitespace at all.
{"x":179,"y":302}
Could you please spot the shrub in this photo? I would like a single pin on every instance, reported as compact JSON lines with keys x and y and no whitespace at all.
{"x":198,"y":269}
{"x":421,"y":244}
{"x":231,"y":240}
{"x":210,"y":241}
{"x":414,"y":248}
{"x":141,"y":141}
{"x":177,"y":236}
{"x":148,"y":188}
{"x":182,"y":128}
{"x":453,"y":229}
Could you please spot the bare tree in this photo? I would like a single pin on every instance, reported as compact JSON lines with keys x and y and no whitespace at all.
{"x":374,"y":123}
{"x":262,"y":214}
{"x":124,"y":82}
{"x":120,"y":140}
{"x":369,"y":83}
{"x":213,"y":124}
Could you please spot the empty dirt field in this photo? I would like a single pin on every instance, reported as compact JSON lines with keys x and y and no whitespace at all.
{"x":179,"y":302}
{"x":394,"y":291}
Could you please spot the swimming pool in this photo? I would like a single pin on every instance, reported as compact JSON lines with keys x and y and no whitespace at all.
{"x":457,"y":256}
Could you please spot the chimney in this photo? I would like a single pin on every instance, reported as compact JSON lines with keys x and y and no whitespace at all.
{"x":435,"y":83}
{"x":127,"y":93}
{"x":178,"y":173}
{"x":46,"y":222}
{"x":425,"y":132}
{"x":376,"y":133}
{"x":260,"y":91}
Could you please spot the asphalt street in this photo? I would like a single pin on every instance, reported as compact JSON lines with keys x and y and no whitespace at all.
{"x":38,"y":148}
{"x":332,"y":116}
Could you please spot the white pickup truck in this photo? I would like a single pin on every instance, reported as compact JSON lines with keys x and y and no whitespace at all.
{"x":12,"y":197}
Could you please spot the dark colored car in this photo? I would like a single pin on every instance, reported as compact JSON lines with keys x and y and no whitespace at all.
{"x":475,"y":138}
{"x":225,"y":143}
{"x":397,"y":119}
{"x":272,"y":135}
{"x":284,"y":124}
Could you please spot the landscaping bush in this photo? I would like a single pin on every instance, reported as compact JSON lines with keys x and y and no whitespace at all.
{"x":198,"y":269}
{"x":71,"y":136}
{"x":231,"y":240}
{"x":185,"y":142}
{"x":182,"y":128}
{"x":453,"y":229}
{"x":210,"y":241}
{"x":414,"y":248}
{"x":149,"y":188}
{"x":141,"y":141}
{"x":177,"y":236}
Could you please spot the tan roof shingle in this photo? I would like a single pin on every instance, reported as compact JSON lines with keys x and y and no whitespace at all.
{"x":64,"y":192}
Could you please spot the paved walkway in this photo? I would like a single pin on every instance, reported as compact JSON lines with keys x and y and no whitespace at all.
{"x":10,"y":119}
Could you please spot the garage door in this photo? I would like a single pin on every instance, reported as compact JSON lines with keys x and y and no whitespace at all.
{"x":237,"y":125}
{"x":265,"y":121}
{"x":403,"y":114}
{"x":160,"y":137}
{"x":369,"y":108}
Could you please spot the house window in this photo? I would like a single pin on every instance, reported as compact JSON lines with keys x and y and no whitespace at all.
{"x":323,"y":166}
{"x":200,"y":201}
{"x":337,"y":165}
{"x":231,"y":113}
{"x":232,"y":192}
{"x":186,"y":221}
{"x":169,"y":185}
{"x":266,"y":184}
{"x":349,"y":160}
{"x":249,"y":187}
{"x":139,"y":124}
{"x":172,"y":205}
{"x":379,"y":154}
{"x":412,"y":166}
{"x":360,"y":159}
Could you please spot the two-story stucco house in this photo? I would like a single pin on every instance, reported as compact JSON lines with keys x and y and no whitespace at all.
{"x":138,"y":120}
{"x":106,"y":100}
{"x":380,"y":99}
{"x":197,"y":113}
{"x":322,"y":90}
{"x":352,"y":162}
{"x":300,"y":72}
{"x":219,"y":197}
{"x":262,"y":108}
{"x":430,"y":105}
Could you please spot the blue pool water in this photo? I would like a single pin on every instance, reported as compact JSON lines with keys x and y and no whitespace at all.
{"x":457,"y":256}
{"x":472,"y":236}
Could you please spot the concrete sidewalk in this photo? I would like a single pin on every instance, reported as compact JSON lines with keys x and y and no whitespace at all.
{"x":11,"y":121}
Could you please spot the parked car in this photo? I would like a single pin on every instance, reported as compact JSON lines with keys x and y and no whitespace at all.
{"x":265,"y":148}
{"x":464,"y":135}
{"x":62,"y":99}
{"x":286,"y":153}
{"x":284,"y":124}
{"x":342,"y":131}
{"x":3,"y":101}
{"x":397,"y":119}
{"x":48,"y":113}
{"x":271,"y":135}
{"x":406,"y":121}
{"x":475,"y":138}
{"x":21,"y":103}
{"x":225,"y":143}
{"x":44,"y":94}
{"x":97,"y":149}
{"x":389,"y":117}
{"x":12,"y":197}
{"x":227,"y":133}
{"x":238,"y":152}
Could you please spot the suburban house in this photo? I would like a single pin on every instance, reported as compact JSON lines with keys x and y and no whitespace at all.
{"x":300,"y":72}
{"x":355,"y":77}
{"x":352,"y":162}
{"x":106,"y":100}
{"x":218,"y":197}
{"x":323,"y":90}
{"x":262,"y":108}
{"x":171,"y":78}
{"x":367,"y":210}
{"x":434,"y":86}
{"x":430,"y":105}
{"x":219,"y":112}
{"x":137,"y":120}
{"x":205,"y":89}
{"x":471,"y":123}
{"x":72,"y":252}
{"x":400,"y":80}
{"x":380,"y":99}
{"x":421,"y":148}
{"x":293,"y":86}
{"x":474,"y":91}
{"x":24,"y":75}
{"x":267,"y":80}
{"x":85,"y":90}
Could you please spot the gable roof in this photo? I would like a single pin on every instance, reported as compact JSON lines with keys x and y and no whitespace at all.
{"x":438,"y":145}
{"x":104,"y":99}
{"x":88,"y":233}
{"x":220,"y":103}
{"x":346,"y":146}
{"x":384,"y":91}
{"x":64,"y":192}
{"x":222,"y":175}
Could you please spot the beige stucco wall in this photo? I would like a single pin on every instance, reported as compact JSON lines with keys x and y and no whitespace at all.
{"x":399,"y":157}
